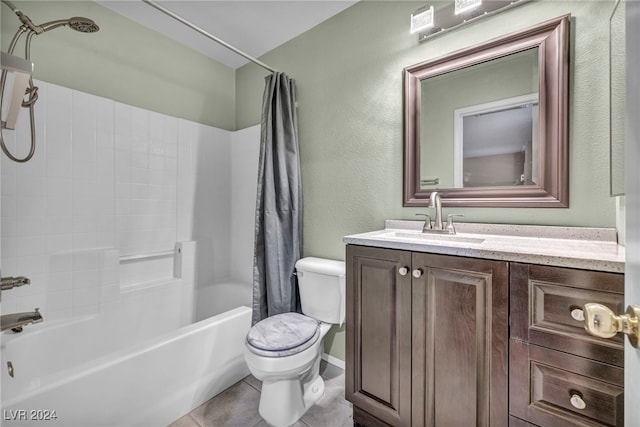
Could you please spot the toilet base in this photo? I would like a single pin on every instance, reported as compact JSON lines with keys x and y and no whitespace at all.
{"x":284,"y":402}
{"x":291,"y":385}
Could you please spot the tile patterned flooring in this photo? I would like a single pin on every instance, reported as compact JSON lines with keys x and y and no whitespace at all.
{"x":238,"y":406}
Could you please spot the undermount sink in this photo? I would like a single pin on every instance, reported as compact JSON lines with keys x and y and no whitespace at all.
{"x":433,"y":237}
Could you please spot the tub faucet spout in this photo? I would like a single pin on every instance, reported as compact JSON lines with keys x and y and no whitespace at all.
{"x":16,"y":321}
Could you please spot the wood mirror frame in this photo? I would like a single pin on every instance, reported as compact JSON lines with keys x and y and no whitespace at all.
{"x":551,"y":39}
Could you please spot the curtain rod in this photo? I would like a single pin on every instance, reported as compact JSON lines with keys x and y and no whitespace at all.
{"x":166,"y":11}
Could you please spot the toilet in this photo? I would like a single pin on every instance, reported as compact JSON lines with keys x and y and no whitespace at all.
{"x":283,"y":351}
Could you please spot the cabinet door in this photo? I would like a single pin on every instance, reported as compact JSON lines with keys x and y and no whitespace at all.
{"x":460,"y":341}
{"x":378,"y":333}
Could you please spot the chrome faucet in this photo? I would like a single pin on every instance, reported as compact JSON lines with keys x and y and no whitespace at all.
{"x":437,"y":226}
{"x":16,"y":321}
{"x":434,"y":202}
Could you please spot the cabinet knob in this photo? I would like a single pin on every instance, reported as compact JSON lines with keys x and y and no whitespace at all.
{"x":577,"y":313}
{"x":403,"y":271}
{"x":577,"y":402}
{"x":417,"y":273}
{"x":602,"y":322}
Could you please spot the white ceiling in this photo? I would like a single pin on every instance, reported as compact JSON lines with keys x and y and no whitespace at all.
{"x":254,"y":27}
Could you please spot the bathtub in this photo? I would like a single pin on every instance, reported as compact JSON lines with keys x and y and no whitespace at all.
{"x":119,"y":368}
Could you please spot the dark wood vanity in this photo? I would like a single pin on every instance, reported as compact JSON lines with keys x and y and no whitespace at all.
{"x":426,"y":350}
{"x":442,"y":340}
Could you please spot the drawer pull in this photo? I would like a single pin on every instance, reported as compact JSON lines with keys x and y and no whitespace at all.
{"x":577,"y":313}
{"x":417,"y":273}
{"x":577,"y":402}
{"x":403,"y":271}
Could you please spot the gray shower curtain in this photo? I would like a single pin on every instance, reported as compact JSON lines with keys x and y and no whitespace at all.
{"x":278,"y":226}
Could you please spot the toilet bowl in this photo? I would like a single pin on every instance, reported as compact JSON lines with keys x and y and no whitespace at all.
{"x":284,"y":351}
{"x":290,"y":384}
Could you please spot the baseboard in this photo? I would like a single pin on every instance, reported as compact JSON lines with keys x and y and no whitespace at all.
{"x":333,"y":360}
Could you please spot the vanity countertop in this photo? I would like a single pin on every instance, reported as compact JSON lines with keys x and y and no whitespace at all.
{"x":574,"y":247}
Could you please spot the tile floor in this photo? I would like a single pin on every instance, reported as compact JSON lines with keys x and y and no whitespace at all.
{"x":238,"y":406}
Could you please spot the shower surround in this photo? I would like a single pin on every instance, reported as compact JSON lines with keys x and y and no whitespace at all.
{"x":110,"y":180}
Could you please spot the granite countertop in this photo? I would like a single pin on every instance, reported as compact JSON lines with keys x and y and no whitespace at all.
{"x":574,"y":247}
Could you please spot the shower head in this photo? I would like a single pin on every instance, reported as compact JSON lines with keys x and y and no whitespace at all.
{"x":78,"y":23}
{"x":83,"y":25}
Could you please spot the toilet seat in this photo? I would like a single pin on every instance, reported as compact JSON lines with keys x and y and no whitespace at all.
{"x":284,"y":334}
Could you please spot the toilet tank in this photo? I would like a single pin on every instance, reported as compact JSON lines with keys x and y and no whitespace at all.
{"x":322,"y":289}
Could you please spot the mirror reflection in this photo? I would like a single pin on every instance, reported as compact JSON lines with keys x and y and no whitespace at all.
{"x":479,"y":126}
{"x":498,"y":147}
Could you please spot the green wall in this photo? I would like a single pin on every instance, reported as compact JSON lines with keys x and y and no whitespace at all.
{"x":126,"y":62}
{"x":349,"y":75}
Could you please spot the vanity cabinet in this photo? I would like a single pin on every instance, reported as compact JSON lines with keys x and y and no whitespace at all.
{"x":560,"y":375}
{"x":447,"y":340}
{"x":427,"y":338}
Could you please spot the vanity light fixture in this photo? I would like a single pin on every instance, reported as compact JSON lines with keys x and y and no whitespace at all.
{"x":462,"y":6}
{"x":456,"y":14}
{"x":422,"y":19}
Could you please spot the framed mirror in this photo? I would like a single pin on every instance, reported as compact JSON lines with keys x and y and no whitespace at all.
{"x":487,"y":125}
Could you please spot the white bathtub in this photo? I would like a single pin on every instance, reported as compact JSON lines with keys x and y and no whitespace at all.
{"x":122,"y":367}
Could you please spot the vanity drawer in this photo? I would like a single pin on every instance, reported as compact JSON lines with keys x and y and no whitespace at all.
{"x":546,"y":304}
{"x":551,"y":388}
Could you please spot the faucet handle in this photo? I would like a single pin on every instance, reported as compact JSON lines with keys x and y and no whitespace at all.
{"x":450,"y":228}
{"x":427,"y":221}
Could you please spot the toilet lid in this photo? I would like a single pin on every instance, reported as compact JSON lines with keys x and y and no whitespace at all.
{"x":283,"y":335}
